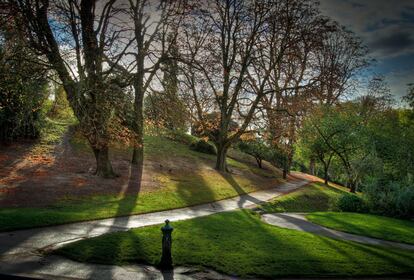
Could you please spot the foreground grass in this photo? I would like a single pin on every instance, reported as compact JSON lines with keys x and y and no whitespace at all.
{"x":238,"y":243}
{"x":367,"y":225}
{"x":312,"y":198}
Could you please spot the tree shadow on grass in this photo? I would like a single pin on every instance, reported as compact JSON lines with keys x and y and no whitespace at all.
{"x":243,"y":196}
{"x":183,"y":189}
{"x":193,"y":188}
{"x":235,"y":243}
{"x":353,"y":229}
{"x":323,"y":264}
{"x":351,"y":256}
{"x":398,"y":259}
{"x":125,"y":207}
{"x":13,"y":169}
{"x":25,"y":237}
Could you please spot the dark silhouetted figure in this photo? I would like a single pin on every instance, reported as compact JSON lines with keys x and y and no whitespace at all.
{"x":166,"y":259}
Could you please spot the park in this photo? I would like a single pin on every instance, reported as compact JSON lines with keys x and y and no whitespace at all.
{"x":222,"y":139}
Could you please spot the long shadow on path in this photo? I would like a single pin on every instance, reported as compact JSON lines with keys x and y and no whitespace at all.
{"x":126,"y":207}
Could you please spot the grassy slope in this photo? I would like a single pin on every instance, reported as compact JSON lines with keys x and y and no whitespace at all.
{"x":238,"y":243}
{"x":367,"y":225}
{"x":194,"y":186}
{"x":312,"y":198}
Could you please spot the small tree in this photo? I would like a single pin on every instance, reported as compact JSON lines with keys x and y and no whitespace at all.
{"x":312,"y":146}
{"x":341,"y":131}
{"x":255,"y":148}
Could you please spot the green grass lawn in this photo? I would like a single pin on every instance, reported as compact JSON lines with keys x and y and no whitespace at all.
{"x":238,"y":243}
{"x":311,"y":198}
{"x":368,"y":225}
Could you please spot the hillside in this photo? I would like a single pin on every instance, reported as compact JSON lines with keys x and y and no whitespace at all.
{"x":51,"y":181}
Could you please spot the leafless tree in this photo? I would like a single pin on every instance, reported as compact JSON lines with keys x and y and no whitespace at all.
{"x":341,"y":56}
{"x":76,"y":37}
{"x":318,"y":69}
{"x":154,"y":26}
{"x":222,"y":39}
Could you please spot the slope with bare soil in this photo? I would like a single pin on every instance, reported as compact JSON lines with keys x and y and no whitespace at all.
{"x":52,"y":181}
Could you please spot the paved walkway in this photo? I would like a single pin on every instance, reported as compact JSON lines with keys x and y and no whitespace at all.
{"x":20,"y":251}
{"x":298,"y":221}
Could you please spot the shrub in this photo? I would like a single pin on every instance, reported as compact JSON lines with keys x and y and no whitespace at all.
{"x":351,"y":203}
{"x":391,"y":198}
{"x":404,"y":202}
{"x":203,"y":147}
{"x":181,"y":136}
{"x":256,"y":149}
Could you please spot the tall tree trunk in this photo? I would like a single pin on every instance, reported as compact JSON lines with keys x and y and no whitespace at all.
{"x":138,"y":149}
{"x":289,"y":163}
{"x":259,"y":162}
{"x":312,"y":166}
{"x":326,"y":167}
{"x":221,"y":164}
{"x":103,"y":164}
{"x":350,"y":184}
{"x":326,"y":178}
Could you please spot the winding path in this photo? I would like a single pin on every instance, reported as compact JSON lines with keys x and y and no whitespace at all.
{"x":299,"y":222}
{"x":21,"y":252}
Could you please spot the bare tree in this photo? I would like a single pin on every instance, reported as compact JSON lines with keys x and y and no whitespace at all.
{"x":317,"y":70}
{"x":76,"y":37}
{"x":153,"y":32}
{"x":222,"y":41}
{"x":341,"y":56}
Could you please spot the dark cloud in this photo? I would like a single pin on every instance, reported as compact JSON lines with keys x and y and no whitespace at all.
{"x":392,"y":43}
{"x":387,"y":28}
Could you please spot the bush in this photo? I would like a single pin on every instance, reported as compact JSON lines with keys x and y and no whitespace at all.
{"x":22,"y":92}
{"x":351,"y":203}
{"x":203,"y":147}
{"x":181,"y":136}
{"x":404,"y":203}
{"x":256,"y":149}
{"x":391,"y":198}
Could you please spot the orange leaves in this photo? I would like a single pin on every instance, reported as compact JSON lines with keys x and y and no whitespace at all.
{"x":3,"y":158}
{"x":40,"y":173}
{"x":79,"y":182}
{"x":7,"y":190}
{"x":248,"y":136}
{"x":11,"y":179}
{"x":41,"y":159}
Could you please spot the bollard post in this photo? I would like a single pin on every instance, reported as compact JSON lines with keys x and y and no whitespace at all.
{"x":166,"y":258}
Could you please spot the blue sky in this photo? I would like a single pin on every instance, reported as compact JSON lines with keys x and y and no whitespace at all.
{"x":387,"y":28}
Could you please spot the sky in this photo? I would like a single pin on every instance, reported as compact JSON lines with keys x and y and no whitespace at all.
{"x":387,"y":29}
